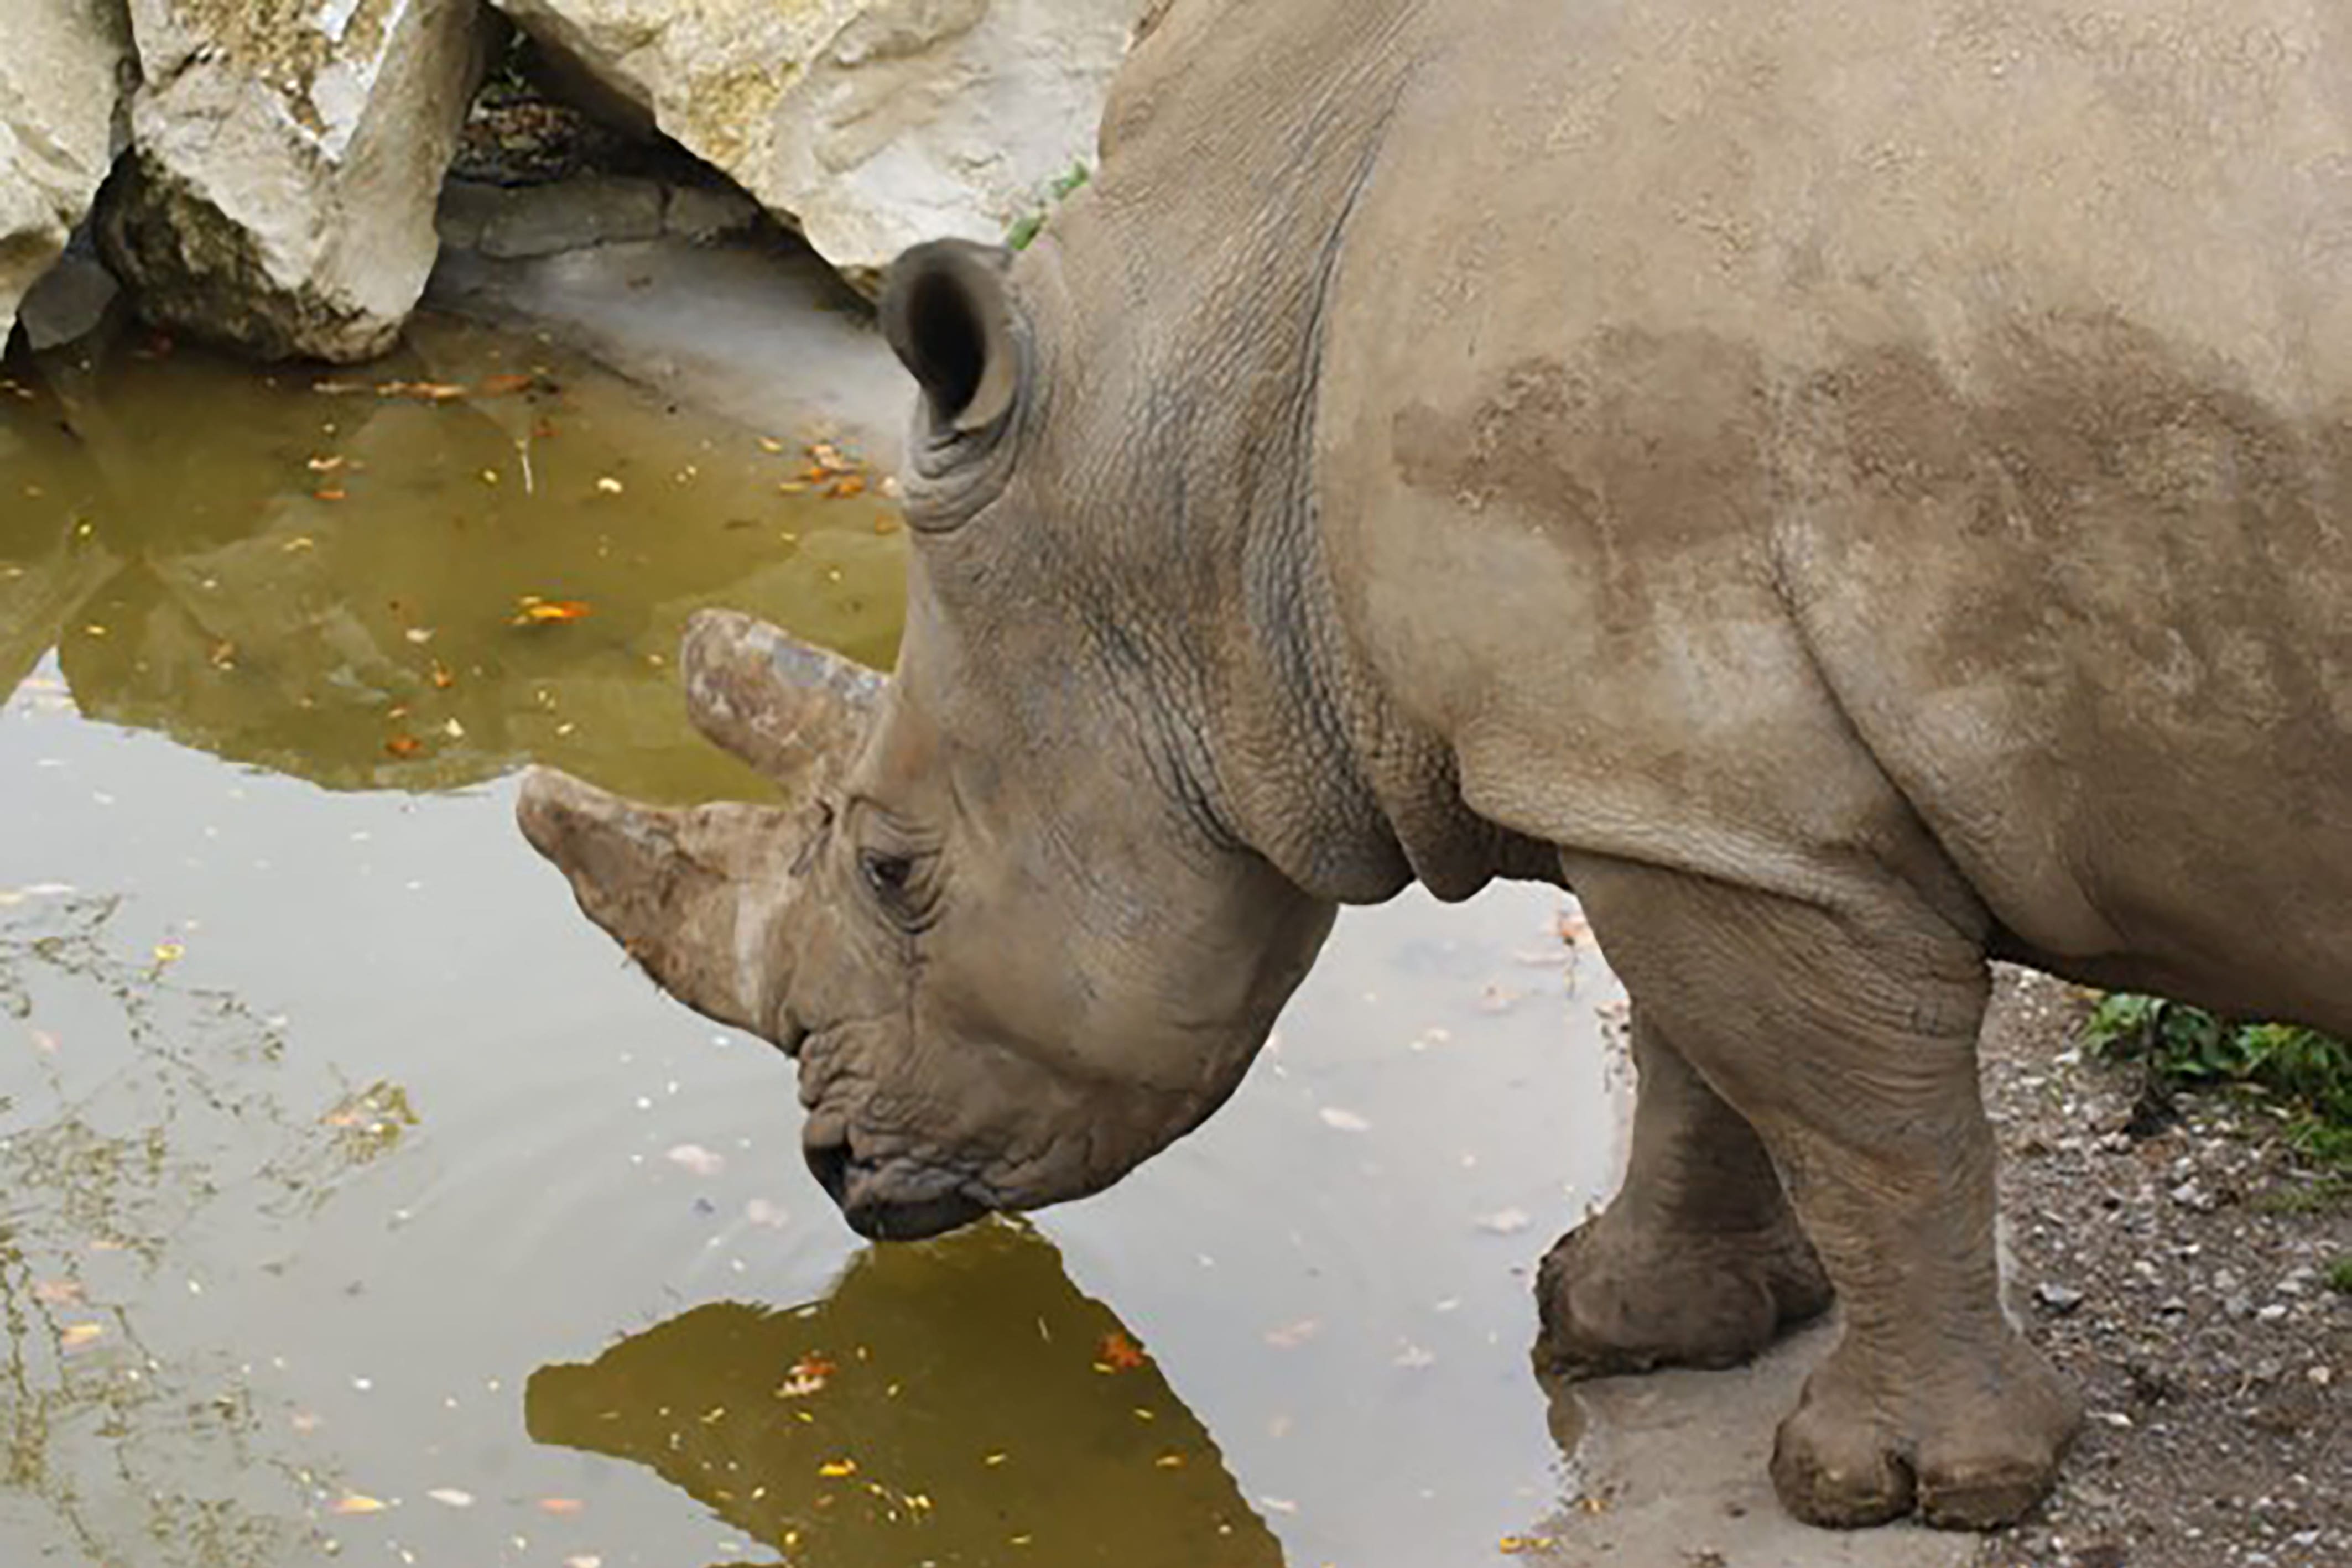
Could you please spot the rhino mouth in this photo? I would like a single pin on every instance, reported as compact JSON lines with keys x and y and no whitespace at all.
{"x":893,"y":1197}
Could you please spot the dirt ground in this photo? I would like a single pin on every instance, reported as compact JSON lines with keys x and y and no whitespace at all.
{"x":2173,"y":1262}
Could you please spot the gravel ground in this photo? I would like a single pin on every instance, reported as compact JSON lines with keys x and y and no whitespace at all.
{"x":2173,"y":1261}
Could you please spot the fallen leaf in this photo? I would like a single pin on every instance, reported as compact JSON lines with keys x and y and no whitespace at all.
{"x":1519,"y":1545}
{"x":848,"y":486}
{"x":1345,"y":1120}
{"x":423,"y":391}
{"x":506,"y":384}
{"x":452,"y":1497}
{"x":835,"y":1468}
{"x":404,"y":745}
{"x":77,"y":1335}
{"x":1505,"y":1222}
{"x":45,"y":1042}
{"x":560,"y":1505}
{"x":303,"y":1421}
{"x":420,"y":635}
{"x":609,"y":486}
{"x":57,"y":1293}
{"x":325,"y":465}
{"x":1279,"y":1504}
{"x":760,"y":1211}
{"x":169,"y":952}
{"x":530,"y":609}
{"x":1170,"y":1461}
{"x":1292,"y":1336}
{"x":1119,"y":1354}
{"x":334,"y":493}
{"x":694,"y":1157}
{"x":1498,"y":998}
{"x":357,"y":1502}
{"x":583,"y":1560}
{"x":442,"y":679}
{"x":769,"y":444}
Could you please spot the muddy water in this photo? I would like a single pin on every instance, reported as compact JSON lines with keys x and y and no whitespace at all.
{"x":355,"y":1197}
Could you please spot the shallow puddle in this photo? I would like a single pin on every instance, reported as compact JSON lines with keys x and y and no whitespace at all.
{"x":355,"y":1196}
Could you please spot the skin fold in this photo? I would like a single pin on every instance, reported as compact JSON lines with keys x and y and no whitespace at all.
{"x":1853,"y":490}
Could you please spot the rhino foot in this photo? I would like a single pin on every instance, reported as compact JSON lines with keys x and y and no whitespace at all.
{"x":1857,"y":1453}
{"x":1617,"y":1297}
{"x":1699,"y":1262}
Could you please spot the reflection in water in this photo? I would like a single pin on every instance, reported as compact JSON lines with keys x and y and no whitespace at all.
{"x":246,"y":1262}
{"x":953,"y":1402}
{"x":159,"y":1100}
{"x":328,"y":578}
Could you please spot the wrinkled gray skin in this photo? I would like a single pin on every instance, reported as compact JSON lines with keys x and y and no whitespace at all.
{"x":1854,"y":489}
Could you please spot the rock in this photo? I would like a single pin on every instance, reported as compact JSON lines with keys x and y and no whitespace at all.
{"x":2059,"y":1299}
{"x":868,"y":124}
{"x":521,"y":223}
{"x":68,"y":302}
{"x":705,"y":212}
{"x":546,"y":220}
{"x":279,"y":196}
{"x":62,"y":76}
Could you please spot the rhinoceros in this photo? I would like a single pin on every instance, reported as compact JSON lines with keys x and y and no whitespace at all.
{"x":1855,"y":491}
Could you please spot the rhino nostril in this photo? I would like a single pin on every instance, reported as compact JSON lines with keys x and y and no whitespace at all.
{"x":790,"y":1035}
{"x":829,"y":1162}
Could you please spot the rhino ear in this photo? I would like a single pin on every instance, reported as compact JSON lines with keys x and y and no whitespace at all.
{"x":949,"y":316}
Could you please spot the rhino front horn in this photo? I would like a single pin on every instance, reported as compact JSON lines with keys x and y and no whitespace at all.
{"x":694,"y":895}
{"x":785,"y":706}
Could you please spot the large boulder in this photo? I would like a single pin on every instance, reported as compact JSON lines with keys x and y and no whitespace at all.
{"x":62,"y":75}
{"x":869,"y":125}
{"x":279,"y":194}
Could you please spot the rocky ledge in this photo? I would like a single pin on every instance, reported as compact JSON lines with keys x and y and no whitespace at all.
{"x":270,"y":175}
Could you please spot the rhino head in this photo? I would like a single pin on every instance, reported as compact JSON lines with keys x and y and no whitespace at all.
{"x":1002,"y":925}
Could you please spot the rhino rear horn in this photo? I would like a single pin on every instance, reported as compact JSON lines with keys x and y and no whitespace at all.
{"x":693,"y":895}
{"x":790,"y":709}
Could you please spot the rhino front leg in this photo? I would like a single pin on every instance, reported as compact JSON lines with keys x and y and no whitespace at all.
{"x":1698,"y":1261}
{"x":1848,"y":1040}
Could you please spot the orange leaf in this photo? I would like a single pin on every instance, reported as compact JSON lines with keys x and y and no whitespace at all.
{"x":336,"y":494}
{"x":442,"y":679}
{"x":533,"y":611}
{"x":404,"y":745}
{"x":560,"y":1505}
{"x":847,"y":486}
{"x":1119,"y":1354}
{"x":502,"y":385}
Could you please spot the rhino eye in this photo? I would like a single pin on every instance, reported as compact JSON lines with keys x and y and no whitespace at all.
{"x":886,"y":874}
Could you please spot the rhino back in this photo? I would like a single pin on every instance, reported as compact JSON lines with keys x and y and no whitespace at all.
{"x":1816,"y":440}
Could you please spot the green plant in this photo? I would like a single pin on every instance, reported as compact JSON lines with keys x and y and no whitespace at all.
{"x":2182,"y":1047}
{"x":1059,"y":190}
{"x":2340,"y":1275}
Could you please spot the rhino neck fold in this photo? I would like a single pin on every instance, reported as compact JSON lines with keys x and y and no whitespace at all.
{"x":1282,"y":742}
